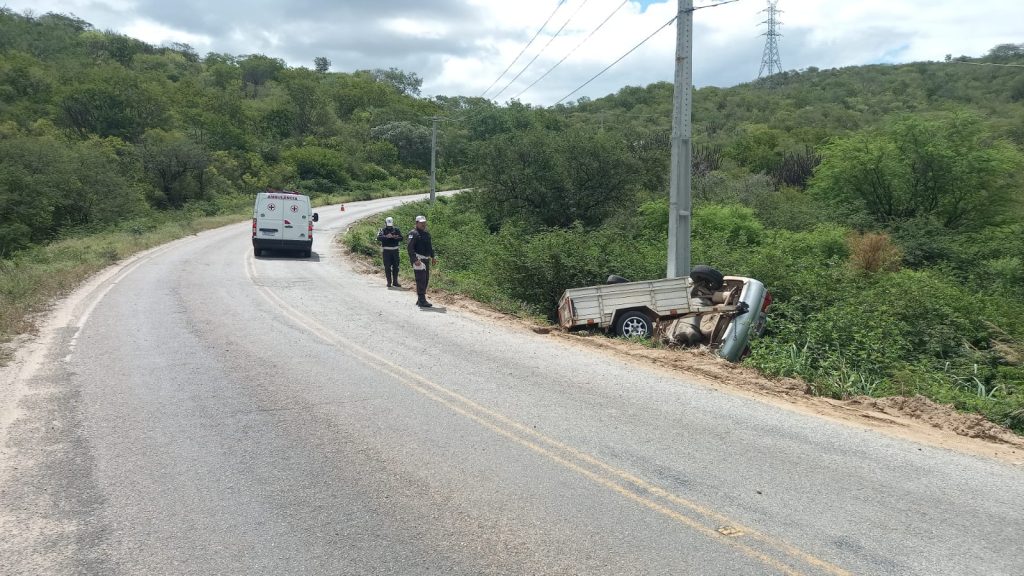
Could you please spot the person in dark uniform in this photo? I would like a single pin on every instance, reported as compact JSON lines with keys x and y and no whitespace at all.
{"x":421,"y":254}
{"x":390,"y":237}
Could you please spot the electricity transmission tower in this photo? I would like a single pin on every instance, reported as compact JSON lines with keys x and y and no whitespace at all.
{"x":770,"y":62}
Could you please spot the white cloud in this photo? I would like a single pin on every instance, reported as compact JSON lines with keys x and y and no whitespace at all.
{"x":158,"y":34}
{"x":417,"y":28}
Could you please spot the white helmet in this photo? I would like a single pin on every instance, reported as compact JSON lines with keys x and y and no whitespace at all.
{"x":389,"y":221}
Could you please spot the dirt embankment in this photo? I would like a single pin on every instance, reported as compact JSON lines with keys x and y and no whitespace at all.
{"x":914,"y":418}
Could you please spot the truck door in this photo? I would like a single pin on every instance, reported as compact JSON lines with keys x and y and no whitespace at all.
{"x":269,"y":214}
{"x":294,"y":219}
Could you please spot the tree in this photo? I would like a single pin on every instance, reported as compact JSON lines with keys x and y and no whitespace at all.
{"x":312,"y":112}
{"x":223,"y":71}
{"x":258,"y":69}
{"x":100,"y":186}
{"x":186,"y":51}
{"x":948,"y":166}
{"x":411,"y":140}
{"x":25,"y":80}
{"x":486,"y":120}
{"x":322,"y":166}
{"x":111,"y":101}
{"x":321,"y":64}
{"x":49,"y":185}
{"x":407,"y":83}
{"x":123,"y":48}
{"x":175,"y":165}
{"x":213,"y":118}
{"x":756,"y":147}
{"x":1005,"y":53}
{"x":554,"y":179}
{"x":27,"y":216}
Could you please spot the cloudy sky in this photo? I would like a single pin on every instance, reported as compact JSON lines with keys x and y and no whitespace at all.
{"x":460,"y":47}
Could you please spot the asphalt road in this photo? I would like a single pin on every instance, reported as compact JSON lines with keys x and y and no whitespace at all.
{"x":202,"y":411}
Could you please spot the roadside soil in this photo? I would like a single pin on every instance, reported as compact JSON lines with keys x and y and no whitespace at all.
{"x":916,"y":418}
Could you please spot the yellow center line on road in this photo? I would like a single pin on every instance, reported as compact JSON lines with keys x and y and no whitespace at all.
{"x":599,"y":472}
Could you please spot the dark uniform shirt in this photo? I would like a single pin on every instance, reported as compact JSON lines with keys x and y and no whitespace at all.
{"x":419,"y":243}
{"x":389,"y":242}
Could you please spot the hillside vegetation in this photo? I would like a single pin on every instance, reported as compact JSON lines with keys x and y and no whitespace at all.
{"x":106,"y":141}
{"x":98,"y":128}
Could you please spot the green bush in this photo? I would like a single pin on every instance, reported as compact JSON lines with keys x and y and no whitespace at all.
{"x":730,"y":224}
{"x":373,"y":173}
{"x":539,"y":267}
{"x":322,"y":169}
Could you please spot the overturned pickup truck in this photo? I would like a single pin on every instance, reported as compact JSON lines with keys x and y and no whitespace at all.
{"x":721,"y":312}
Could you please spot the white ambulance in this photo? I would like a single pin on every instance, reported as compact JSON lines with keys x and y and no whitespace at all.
{"x":282,"y":221}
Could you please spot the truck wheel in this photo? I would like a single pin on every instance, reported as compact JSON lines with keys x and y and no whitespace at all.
{"x":634,"y":324}
{"x":707,"y":276}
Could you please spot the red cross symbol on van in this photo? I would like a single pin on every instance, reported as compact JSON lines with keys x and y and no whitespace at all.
{"x":295,"y":208}
{"x":271,"y":207}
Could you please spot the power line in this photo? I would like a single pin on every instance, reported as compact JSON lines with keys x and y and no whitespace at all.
{"x":642,"y":42}
{"x":592,"y":32}
{"x":537,"y":55}
{"x":518,"y":56}
{"x":607,"y":68}
{"x":695,"y":8}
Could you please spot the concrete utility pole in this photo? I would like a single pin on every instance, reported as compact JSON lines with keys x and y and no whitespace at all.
{"x":682,"y":131}
{"x":433,"y":157}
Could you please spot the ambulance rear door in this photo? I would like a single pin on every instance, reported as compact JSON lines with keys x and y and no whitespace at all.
{"x":295,"y":219}
{"x":268,"y":212}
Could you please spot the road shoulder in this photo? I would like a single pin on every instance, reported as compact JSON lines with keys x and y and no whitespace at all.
{"x":917,"y":419}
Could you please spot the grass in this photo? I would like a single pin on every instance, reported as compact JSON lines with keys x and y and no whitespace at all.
{"x":829,"y":373}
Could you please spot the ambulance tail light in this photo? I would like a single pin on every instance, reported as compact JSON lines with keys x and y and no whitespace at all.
{"x":767,"y":301}
{"x":310,"y":230}
{"x":253,"y":227}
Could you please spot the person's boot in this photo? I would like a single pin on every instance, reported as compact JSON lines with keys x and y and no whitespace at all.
{"x":396,"y":284}
{"x":421,"y":302}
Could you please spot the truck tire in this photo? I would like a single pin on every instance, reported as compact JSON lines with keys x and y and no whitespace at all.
{"x":707,"y":276}
{"x":634,"y":324}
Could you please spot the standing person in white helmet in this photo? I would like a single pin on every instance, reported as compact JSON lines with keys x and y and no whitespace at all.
{"x":390,"y":237}
{"x":421,"y":254}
